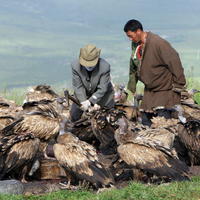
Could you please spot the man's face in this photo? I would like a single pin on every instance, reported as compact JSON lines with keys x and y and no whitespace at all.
{"x":134,"y":36}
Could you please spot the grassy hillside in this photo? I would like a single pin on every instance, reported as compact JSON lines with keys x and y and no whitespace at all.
{"x":39,"y":39}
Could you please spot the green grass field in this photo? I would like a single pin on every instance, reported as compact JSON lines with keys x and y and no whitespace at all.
{"x":134,"y":191}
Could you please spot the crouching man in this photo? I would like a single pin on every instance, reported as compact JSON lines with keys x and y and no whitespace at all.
{"x":91,"y":82}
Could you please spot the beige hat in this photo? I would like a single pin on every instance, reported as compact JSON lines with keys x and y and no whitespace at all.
{"x":89,"y":55}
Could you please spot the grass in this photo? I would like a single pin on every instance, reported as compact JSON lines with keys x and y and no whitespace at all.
{"x":134,"y":191}
{"x":18,"y":94}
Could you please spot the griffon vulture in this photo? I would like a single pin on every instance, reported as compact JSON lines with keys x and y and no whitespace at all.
{"x":120,"y":94}
{"x":43,"y":125}
{"x":103,"y":124}
{"x":58,"y":104}
{"x":40,"y":92}
{"x":150,"y":151}
{"x":189,"y":136}
{"x":17,"y":154}
{"x":81,"y":160}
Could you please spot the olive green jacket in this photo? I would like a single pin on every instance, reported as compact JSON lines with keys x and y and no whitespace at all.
{"x":133,"y":76}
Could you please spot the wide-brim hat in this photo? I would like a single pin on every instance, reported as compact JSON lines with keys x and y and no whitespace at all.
{"x":89,"y":55}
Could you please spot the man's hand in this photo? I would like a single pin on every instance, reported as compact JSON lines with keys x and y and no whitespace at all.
{"x":85,"y":105}
{"x":94,"y":108}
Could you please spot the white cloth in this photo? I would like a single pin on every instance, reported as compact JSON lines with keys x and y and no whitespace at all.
{"x":94,"y":108}
{"x":90,"y":68}
{"x":85,"y":105}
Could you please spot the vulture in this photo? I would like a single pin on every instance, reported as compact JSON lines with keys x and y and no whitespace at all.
{"x":58,"y":104}
{"x":120,"y":94}
{"x":9,"y":108}
{"x":150,"y":151}
{"x":191,"y":111}
{"x":43,"y":125}
{"x":131,"y":112}
{"x":80,"y":159}
{"x":40,"y":92}
{"x":189,"y":136}
{"x":5,"y":121}
{"x":162,"y":122}
{"x":17,"y":154}
{"x":187,"y":97}
{"x":189,"y":105}
{"x":103,"y":124}
{"x":83,"y":130}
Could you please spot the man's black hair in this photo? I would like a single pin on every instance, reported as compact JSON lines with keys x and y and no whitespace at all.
{"x":133,"y":25}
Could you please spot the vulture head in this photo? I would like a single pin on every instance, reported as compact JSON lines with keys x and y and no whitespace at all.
{"x":66,"y":138}
{"x":123,"y":125}
{"x":120,"y":94}
{"x":124,"y":132}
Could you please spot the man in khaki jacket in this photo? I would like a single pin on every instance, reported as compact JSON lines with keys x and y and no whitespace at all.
{"x":157,"y":64}
{"x":91,"y":82}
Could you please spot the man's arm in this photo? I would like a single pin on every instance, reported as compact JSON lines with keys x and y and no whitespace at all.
{"x":102,"y":87}
{"x":78,"y":86}
{"x":172,"y":60}
{"x":132,"y":77}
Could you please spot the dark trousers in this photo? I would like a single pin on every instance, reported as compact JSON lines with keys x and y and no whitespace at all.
{"x":75,"y":112}
{"x":146,"y":117}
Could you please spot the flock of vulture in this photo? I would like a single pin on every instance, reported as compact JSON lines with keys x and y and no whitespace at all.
{"x":103,"y":149}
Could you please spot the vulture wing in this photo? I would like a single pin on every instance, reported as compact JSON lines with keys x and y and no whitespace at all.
{"x":41,"y":126}
{"x":19,"y":155}
{"x":38,"y":124}
{"x":83,"y":162}
{"x":160,"y":138}
{"x":153,"y":161}
{"x":189,"y":135}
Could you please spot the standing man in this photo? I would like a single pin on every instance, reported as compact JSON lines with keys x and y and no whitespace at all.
{"x":91,"y":82}
{"x":157,"y":64}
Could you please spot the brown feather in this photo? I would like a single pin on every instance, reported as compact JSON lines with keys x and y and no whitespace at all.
{"x":40,"y":125}
{"x":5,"y":121}
{"x":150,"y":150}
{"x":40,"y":92}
{"x":81,"y":159}
{"x":153,"y":161}
{"x":43,"y":127}
{"x":19,"y":156}
{"x":189,"y":135}
{"x":190,"y":112}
